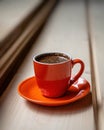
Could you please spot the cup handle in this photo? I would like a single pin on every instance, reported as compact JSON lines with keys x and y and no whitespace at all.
{"x":76,"y":61}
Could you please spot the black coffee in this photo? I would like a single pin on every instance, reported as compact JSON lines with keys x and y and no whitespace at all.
{"x":52,"y":58}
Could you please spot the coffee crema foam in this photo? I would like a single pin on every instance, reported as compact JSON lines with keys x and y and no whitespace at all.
{"x":52,"y":59}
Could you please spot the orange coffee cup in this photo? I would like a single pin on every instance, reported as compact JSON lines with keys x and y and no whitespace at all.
{"x":53,"y":72}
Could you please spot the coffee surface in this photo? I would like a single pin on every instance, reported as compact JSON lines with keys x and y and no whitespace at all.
{"x":52,"y":59}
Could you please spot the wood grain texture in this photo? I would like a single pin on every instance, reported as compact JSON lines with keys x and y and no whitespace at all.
{"x":12,"y":12}
{"x":66,"y":32}
{"x":97,"y":40}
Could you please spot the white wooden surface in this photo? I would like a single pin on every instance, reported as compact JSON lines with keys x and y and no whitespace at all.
{"x":97,"y":23}
{"x":97,"y":35}
{"x":65,"y":32}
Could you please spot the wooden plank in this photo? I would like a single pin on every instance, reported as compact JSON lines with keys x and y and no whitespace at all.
{"x":97,"y":38}
{"x":65,"y":32}
{"x":12,"y":12}
{"x":14,"y":22}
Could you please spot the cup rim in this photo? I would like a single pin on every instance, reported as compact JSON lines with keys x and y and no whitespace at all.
{"x":47,"y":53}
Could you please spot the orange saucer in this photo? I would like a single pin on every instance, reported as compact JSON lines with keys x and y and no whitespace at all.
{"x":29,"y":90}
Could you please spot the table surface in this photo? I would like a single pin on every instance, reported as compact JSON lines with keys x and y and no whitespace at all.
{"x":65,"y":31}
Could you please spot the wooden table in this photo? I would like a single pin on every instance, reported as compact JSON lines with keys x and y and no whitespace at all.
{"x":65,"y":31}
